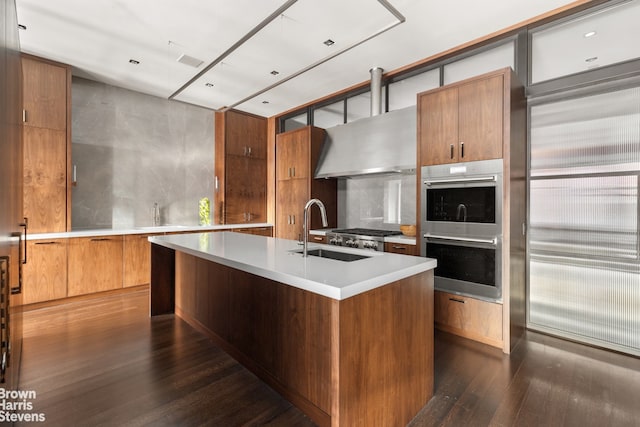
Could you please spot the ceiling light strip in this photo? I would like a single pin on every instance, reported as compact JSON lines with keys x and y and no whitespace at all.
{"x":400,"y":19}
{"x":236,"y":45}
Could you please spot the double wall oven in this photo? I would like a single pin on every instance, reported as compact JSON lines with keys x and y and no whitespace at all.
{"x":462,"y":226}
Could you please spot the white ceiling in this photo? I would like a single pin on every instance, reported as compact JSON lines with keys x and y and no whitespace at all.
{"x":99,"y":37}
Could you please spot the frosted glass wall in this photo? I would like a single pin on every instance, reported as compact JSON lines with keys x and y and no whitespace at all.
{"x":584,"y":271}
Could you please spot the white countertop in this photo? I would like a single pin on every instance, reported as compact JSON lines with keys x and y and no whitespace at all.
{"x":141,"y":230}
{"x":277,"y":260}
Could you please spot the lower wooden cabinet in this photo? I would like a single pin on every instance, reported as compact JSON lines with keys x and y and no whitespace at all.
{"x":469,"y":317}
{"x":45,"y":273}
{"x":95,"y":264}
{"x":136,"y":260}
{"x":401,"y":248}
{"x":258,"y":231}
{"x":317,"y":239}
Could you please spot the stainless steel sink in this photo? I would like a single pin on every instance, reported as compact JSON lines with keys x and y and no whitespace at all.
{"x":338,"y":256}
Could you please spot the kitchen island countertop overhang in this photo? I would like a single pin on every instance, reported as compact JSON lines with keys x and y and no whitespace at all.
{"x":279,"y":260}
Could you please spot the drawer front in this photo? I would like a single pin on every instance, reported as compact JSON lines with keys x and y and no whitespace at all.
{"x":401,"y":248}
{"x":469,"y":317}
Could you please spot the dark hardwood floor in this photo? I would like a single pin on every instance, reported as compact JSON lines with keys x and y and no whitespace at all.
{"x":105,"y":362}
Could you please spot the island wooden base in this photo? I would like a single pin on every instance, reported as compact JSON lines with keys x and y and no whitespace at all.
{"x":366,"y":360}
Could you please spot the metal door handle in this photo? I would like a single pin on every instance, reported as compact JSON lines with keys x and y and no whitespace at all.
{"x":493,"y":241}
{"x":25,"y":226}
{"x":490,"y":178}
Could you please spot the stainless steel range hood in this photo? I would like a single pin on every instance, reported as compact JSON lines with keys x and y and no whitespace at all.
{"x":378,"y":144}
{"x":381,"y":143}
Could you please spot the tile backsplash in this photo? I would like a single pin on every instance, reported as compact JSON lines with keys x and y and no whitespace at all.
{"x":132,"y":150}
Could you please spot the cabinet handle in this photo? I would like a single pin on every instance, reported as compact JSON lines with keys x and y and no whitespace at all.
{"x":462,"y":149}
{"x":402,"y":248}
{"x":25,"y":226}
{"x":47,"y":243}
{"x":318,"y":239}
{"x":100,"y":239}
{"x":451,"y":146}
{"x":24,"y":116}
{"x":456,"y":300}
{"x":294,"y":171}
{"x":249,"y":151}
{"x":293,"y":220}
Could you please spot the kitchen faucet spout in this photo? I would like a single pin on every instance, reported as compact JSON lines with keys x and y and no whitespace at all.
{"x":305,"y":224}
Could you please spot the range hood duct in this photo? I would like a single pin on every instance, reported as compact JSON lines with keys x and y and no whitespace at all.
{"x":376,"y":91}
{"x":382,"y":143}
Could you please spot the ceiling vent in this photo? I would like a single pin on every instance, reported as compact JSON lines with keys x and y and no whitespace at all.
{"x":189,"y":60}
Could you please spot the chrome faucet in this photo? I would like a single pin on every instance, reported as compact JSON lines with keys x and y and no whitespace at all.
{"x":305,"y":224}
{"x":462,"y":211}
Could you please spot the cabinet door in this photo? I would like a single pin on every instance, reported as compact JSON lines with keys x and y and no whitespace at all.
{"x":95,"y":264}
{"x":480,"y":114}
{"x":469,"y":317}
{"x":291,"y":196}
{"x":137,"y":260}
{"x":44,"y":94}
{"x":45,"y":179}
{"x":292,"y":154}
{"x":438,"y":137}
{"x":246,"y":190}
{"x":45,"y":275}
{"x":245,"y":135}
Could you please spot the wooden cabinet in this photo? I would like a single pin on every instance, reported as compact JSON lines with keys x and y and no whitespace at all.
{"x":469,"y":317}
{"x":297,"y":153}
{"x":401,"y":248}
{"x":240,"y":168}
{"x":95,"y":264}
{"x":45,"y":275}
{"x":258,"y":231}
{"x":46,"y":130}
{"x":462,"y":122}
{"x":317,"y":239}
{"x":136,"y":260}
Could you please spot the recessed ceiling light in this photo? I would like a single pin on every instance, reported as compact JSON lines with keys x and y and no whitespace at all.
{"x":275,"y":73}
{"x":329,"y":42}
{"x":208,"y":84}
{"x":134,"y":62}
{"x":593,"y":58}
{"x":589,"y":34}
{"x":22,"y":27}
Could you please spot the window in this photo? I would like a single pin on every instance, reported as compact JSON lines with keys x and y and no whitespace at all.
{"x":482,"y":62}
{"x":601,"y":38}
{"x":402,"y":93}
{"x":295,"y":122}
{"x":329,"y":116}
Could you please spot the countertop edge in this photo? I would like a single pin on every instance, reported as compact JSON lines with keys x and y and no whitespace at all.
{"x":143,"y":230}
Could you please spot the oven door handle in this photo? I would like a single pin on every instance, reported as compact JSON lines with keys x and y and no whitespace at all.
{"x":493,"y":241}
{"x":492,"y":178}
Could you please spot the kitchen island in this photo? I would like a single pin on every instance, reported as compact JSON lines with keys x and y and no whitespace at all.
{"x":349,"y":343}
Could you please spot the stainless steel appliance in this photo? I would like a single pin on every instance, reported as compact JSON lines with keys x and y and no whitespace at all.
{"x":462,"y":226}
{"x":362,"y":238}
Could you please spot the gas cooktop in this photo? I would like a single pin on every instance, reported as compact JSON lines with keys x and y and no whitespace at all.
{"x":367,"y":232}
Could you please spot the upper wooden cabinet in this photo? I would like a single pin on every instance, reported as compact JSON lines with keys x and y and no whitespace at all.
{"x":240,"y":168}
{"x":462,"y":122}
{"x":46,"y":140}
{"x":297,"y":154}
{"x":44,"y":94}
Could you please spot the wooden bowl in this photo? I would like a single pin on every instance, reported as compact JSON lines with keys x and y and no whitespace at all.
{"x":408,"y":230}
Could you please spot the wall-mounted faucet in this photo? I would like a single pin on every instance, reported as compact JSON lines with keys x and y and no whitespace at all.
{"x":305,"y":223}
{"x":461,"y":212}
